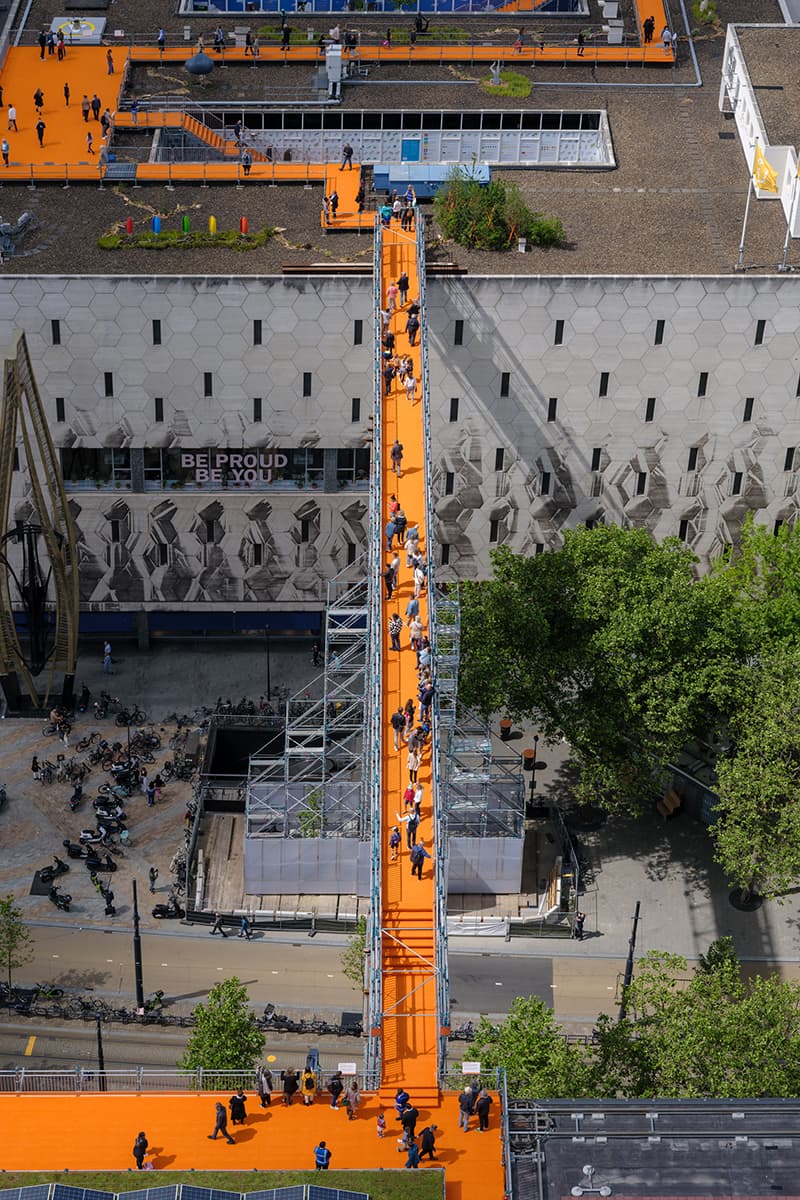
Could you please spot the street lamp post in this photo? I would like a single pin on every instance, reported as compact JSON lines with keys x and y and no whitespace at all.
{"x":533,"y":765}
{"x":101,"y":1062}
{"x":137,"y":954}
{"x":269,"y":682}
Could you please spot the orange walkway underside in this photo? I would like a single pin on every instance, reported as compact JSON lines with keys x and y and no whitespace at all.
{"x":49,"y":1133}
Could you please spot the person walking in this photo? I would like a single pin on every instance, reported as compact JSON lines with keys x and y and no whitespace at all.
{"x":153,"y":876}
{"x":413,"y":1157}
{"x":264,"y":1087}
{"x":413,"y":764}
{"x":352,"y":1100}
{"x":412,"y":327}
{"x":581,"y":43}
{"x":396,"y":570}
{"x":96,"y":106}
{"x":85,"y":107}
{"x":335,"y":1087}
{"x":466,"y":1107}
{"x":244,"y":929}
{"x":322,"y":1156}
{"x":396,"y":455}
{"x":419,"y":580}
{"x":482,"y":1106}
{"x":237,"y":1104}
{"x":140,"y":1149}
{"x":286,"y":36}
{"x":290,"y":1085}
{"x":418,"y":856}
{"x":161,"y":41}
{"x":347,"y":157}
{"x":415,"y":631}
{"x":577,"y":929}
{"x":408,"y":1120}
{"x":411,"y":387}
{"x":427,"y":1143}
{"x":61,"y":49}
{"x":42,"y":40}
{"x":134,"y":111}
{"x":220,"y":1124}
{"x":334,"y":202}
{"x":4,"y":149}
{"x":381,"y":1124}
{"x":402,"y":289}
{"x":66,"y":95}
{"x":308,"y":1087}
{"x":109,"y":62}
{"x":217,"y":926}
{"x":649,"y":27}
{"x":90,"y":150}
{"x":388,"y":579}
{"x":395,"y":629}
{"x":150,"y":792}
{"x":391,"y":298}
{"x":38,"y":101}
{"x":388,"y":378}
{"x":411,"y":822}
{"x":106,"y":645}
{"x":12,"y":118}
{"x":394,"y":842}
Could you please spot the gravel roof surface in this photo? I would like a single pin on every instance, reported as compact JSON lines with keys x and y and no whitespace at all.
{"x":771,"y":56}
{"x":673,"y":205}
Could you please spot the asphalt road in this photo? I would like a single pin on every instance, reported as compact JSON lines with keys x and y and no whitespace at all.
{"x":302,"y":977}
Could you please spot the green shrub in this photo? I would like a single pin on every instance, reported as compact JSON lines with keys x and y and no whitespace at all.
{"x":513,"y":84}
{"x":174,"y":239}
{"x":705,"y":12}
{"x":491,"y":217}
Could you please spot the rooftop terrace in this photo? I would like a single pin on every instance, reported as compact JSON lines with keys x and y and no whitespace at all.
{"x":673,"y":205}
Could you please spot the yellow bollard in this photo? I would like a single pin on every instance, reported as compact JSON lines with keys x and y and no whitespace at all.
{"x":212,"y":224}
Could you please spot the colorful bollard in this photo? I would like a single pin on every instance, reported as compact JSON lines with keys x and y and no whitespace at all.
{"x":243,"y":225}
{"x":185,"y":224}
{"x":129,"y":226}
{"x":156,"y":224}
{"x":212,"y":224}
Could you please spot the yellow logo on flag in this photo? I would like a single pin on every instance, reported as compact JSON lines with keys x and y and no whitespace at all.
{"x":765,"y":177}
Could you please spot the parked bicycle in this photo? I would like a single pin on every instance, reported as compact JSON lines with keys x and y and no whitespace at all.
{"x":130,"y":716}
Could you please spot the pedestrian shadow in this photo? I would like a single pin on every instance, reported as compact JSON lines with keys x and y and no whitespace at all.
{"x":243,"y":1134}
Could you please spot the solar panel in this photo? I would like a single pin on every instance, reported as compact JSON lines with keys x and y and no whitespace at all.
{"x":324,"y":1193}
{"x":190,"y":1192}
{"x":155,"y":1193}
{"x":296,"y":1192}
{"x":39,"y":1191}
{"x":62,"y":1191}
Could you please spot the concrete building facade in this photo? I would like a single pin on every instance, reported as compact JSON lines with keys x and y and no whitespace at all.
{"x":215,"y":431}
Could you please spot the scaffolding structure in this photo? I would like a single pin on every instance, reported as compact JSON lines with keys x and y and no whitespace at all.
{"x":318,"y":788}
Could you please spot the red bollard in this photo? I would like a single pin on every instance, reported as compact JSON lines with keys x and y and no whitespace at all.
{"x":243,"y":225}
{"x":129,"y":225}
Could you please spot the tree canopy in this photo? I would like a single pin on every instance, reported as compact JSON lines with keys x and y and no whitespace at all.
{"x":16,"y":943}
{"x":688,"y":1034}
{"x":615,"y":643}
{"x":225,"y":1036}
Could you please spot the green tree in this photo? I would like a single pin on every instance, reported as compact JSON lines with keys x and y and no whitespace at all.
{"x":604,"y":643}
{"x":16,"y":943}
{"x":705,"y":1034}
{"x":530,"y":1045}
{"x":353,"y":956}
{"x":757,"y":833}
{"x":225,"y":1036}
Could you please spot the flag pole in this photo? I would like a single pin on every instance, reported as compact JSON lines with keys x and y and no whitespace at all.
{"x":782,"y":264}
{"x":740,"y":260}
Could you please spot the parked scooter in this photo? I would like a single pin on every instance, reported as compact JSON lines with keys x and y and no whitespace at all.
{"x":60,"y":899}
{"x":95,"y":863}
{"x":74,"y":850}
{"x":171,"y":909}
{"x":51,"y":872}
{"x":76,"y":797}
{"x":109,"y":811}
{"x":114,"y":791}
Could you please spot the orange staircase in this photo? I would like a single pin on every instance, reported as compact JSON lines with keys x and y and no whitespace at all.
{"x":410,"y":1018}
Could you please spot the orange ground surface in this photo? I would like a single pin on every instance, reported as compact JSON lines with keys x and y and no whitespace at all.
{"x":97,"y":1132}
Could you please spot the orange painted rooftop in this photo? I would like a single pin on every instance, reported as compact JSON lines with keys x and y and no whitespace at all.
{"x":96,"y":1132}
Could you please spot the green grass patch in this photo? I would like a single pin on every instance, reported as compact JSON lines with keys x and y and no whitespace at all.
{"x":381,"y":1185}
{"x":173,"y":239}
{"x":513,"y":84}
{"x":705,"y":12}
